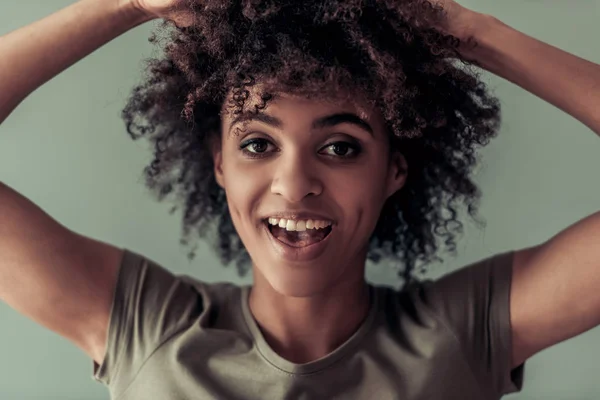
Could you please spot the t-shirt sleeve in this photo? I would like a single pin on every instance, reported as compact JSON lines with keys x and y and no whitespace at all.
{"x":474,"y":303}
{"x":150,"y":306}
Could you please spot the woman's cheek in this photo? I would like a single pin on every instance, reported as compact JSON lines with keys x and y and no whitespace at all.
{"x":245,"y":181}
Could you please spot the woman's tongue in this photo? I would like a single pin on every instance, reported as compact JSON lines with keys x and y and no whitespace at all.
{"x":299,"y":239}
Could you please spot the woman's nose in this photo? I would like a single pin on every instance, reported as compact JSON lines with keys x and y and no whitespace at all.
{"x":295,"y":178}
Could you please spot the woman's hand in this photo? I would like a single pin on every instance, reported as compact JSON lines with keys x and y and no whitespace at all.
{"x":460,"y":21}
{"x":173,"y":10}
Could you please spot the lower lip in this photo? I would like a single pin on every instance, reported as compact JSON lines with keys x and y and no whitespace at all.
{"x":297,"y":254}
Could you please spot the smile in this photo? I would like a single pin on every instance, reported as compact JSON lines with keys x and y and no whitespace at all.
{"x":300,"y":237}
{"x":303,"y":245}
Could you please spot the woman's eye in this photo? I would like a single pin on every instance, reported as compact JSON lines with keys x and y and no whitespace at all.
{"x":343,"y":149}
{"x":258,"y":147}
{"x":255,"y":147}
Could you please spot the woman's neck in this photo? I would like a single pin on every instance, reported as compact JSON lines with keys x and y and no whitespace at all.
{"x":303,"y":329}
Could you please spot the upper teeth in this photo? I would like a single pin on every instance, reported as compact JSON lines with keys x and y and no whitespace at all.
{"x":299,"y":225}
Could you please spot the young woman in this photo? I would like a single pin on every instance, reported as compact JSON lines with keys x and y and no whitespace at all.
{"x":312,"y":135}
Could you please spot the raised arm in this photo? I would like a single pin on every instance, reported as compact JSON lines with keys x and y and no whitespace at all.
{"x":554,"y":292}
{"x":34,"y":54}
{"x":56,"y":277}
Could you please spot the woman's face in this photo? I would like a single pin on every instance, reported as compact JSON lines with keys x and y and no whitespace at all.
{"x":300,"y":165}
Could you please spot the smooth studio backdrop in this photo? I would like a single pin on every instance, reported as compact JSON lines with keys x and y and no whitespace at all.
{"x":66,"y":148}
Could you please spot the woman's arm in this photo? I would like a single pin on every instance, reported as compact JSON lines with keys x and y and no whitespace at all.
{"x":34,"y":54}
{"x":554,"y":291}
{"x":60,"y":279}
{"x":562,"y":79}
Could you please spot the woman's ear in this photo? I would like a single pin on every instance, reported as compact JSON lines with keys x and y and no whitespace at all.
{"x":217,"y":155}
{"x":397,"y":173}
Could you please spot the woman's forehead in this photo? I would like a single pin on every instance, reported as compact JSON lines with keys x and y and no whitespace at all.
{"x":281,"y":101}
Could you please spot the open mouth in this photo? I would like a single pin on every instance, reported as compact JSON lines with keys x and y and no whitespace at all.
{"x":298,"y":238}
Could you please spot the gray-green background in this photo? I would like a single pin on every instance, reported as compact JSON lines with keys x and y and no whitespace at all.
{"x":66,"y":149}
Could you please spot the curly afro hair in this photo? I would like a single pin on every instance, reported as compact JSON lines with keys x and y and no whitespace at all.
{"x":437,"y":110}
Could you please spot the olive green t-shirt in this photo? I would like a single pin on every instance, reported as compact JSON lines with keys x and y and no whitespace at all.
{"x":176,"y":338}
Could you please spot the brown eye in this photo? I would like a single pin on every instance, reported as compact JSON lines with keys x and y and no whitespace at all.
{"x":256,"y":147}
{"x":340,"y":149}
{"x":343,"y":149}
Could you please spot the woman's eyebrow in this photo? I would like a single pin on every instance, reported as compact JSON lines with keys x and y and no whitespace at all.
{"x":260,"y":117}
{"x":340,"y":118}
{"x":323,"y":122}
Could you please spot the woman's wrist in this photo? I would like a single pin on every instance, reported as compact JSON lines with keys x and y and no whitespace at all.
{"x":133,"y":9}
{"x":470,"y":29}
